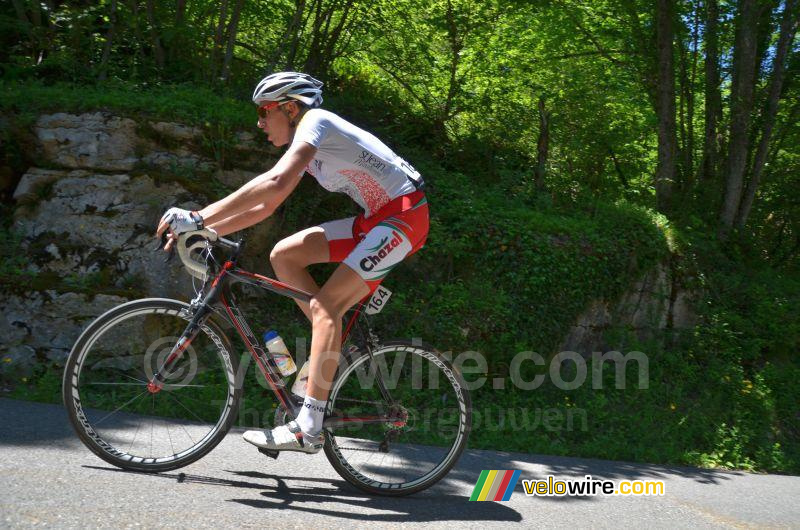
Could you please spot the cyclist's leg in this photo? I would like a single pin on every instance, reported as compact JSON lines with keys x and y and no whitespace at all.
{"x":386,"y":244}
{"x":292,"y":255}
{"x":342,"y":291}
{"x":328,"y":242}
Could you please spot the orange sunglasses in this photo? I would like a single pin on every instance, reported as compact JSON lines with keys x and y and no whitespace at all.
{"x":264,"y":109}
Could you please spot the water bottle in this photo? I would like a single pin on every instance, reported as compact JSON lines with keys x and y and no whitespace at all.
{"x":279,"y":353}
{"x":299,"y":386}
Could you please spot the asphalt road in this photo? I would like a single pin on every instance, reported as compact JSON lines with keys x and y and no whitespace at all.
{"x":51,"y":479}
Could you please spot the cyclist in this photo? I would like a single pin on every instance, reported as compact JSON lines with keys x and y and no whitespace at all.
{"x":343,"y":158}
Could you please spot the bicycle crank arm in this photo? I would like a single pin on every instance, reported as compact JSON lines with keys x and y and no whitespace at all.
{"x":332,"y":422}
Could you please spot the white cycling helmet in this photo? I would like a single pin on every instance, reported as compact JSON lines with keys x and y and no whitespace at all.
{"x":285,"y":86}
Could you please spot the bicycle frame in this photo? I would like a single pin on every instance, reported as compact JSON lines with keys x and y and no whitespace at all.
{"x":219,"y":294}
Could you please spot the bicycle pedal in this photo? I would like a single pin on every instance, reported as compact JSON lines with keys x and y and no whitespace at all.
{"x":269,"y":452}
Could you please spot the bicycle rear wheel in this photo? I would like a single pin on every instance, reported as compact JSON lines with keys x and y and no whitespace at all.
{"x":127,"y":423}
{"x":425,"y":427}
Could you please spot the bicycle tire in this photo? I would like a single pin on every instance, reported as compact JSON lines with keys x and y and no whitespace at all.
{"x":348,"y":470}
{"x":80,"y":391}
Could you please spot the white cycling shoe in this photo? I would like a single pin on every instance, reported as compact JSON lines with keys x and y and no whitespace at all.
{"x":287,"y":437}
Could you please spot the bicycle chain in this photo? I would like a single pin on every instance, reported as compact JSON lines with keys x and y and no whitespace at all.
{"x":360,"y":449}
{"x":352,"y":400}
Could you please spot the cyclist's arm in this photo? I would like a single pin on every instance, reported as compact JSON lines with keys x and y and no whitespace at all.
{"x":241,"y":220}
{"x":268,"y":190}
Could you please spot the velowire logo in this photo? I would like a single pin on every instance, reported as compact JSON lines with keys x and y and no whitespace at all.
{"x":495,"y":485}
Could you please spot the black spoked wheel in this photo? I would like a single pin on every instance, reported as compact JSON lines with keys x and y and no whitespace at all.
{"x":430,"y":412}
{"x":131,"y":425}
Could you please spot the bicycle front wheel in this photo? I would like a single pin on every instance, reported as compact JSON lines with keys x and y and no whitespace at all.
{"x":135,"y":426}
{"x":409,"y":442}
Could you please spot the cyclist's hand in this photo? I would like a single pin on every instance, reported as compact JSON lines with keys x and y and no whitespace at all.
{"x":178,"y":221}
{"x":172,"y":239}
{"x":169,"y":240}
{"x":167,"y":243}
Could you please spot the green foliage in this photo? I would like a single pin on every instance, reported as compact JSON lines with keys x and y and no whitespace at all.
{"x":720,"y":393}
{"x":188,"y":104}
{"x":12,"y":261}
{"x":44,"y":386}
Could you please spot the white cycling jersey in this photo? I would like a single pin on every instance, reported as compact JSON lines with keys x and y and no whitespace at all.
{"x":350,"y":160}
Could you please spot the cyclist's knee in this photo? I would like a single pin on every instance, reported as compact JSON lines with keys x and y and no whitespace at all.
{"x":300,"y":249}
{"x":323,"y":311}
{"x":283,"y":252}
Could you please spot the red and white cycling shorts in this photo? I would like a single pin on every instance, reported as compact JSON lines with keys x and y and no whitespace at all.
{"x":374,"y":246}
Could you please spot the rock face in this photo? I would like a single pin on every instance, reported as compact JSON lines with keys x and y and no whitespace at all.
{"x":93,"y":221}
{"x":101,"y":141}
{"x":88,"y":141}
{"x":655,"y":302}
{"x":44,"y":325}
{"x":87,"y":224}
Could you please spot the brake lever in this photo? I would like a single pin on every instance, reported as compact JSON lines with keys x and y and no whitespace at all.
{"x":162,"y":243}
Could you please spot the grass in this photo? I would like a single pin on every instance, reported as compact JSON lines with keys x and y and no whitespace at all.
{"x":191,"y":105}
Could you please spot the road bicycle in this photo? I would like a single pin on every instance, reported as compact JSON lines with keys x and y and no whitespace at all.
{"x":154,"y":385}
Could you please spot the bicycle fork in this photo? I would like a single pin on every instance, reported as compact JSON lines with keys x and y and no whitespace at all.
{"x":156,"y":383}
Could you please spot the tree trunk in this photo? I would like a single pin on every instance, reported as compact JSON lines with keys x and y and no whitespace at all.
{"x":158,"y":49}
{"x":180,"y":12}
{"x":177,"y":44}
{"x":777,"y":145}
{"x":22,"y":16}
{"x":690,"y":159}
{"x":112,"y":20}
{"x":296,"y":41}
{"x":665,"y":103}
{"x":778,"y":239}
{"x":542,"y":145}
{"x":329,"y":51}
{"x":791,"y":252}
{"x":713,"y":98}
{"x":456,"y":41}
{"x":742,"y":87}
{"x":218,"y":37}
{"x":683,"y":89}
{"x":618,"y":168}
{"x":648,"y":68}
{"x":289,"y":36}
{"x":19,"y":7}
{"x":311,"y":62}
{"x":232,"y":29}
{"x":36,"y":20}
{"x":787,"y":32}
{"x":137,"y":57}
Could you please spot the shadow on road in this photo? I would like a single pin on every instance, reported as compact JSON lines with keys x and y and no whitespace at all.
{"x":635,"y":471}
{"x":352,"y":503}
{"x":575,"y":468}
{"x":28,"y":424}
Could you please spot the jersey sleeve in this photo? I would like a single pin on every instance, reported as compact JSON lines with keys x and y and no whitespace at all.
{"x":312,"y":129}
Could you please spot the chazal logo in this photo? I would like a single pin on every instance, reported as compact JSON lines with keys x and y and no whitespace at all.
{"x":386,"y":246}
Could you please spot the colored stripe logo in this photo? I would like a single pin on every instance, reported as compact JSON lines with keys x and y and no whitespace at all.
{"x":495,"y":485}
